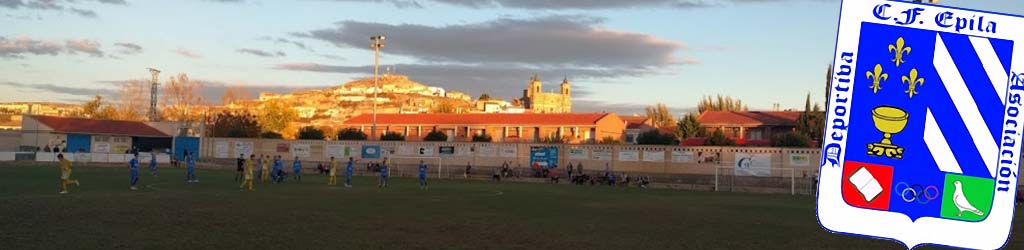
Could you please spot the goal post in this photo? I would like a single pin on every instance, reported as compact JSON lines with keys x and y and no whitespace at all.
{"x":401,"y":163}
{"x":765,"y":180}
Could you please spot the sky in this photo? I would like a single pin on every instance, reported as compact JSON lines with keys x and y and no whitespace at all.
{"x":619,"y":55}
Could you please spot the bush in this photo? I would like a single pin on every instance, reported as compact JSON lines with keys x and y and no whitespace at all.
{"x":271,"y":135}
{"x":392,"y":136}
{"x":610,"y":141}
{"x":436,"y":136}
{"x":482,"y":138}
{"x":555,"y":139}
{"x":718,"y":139}
{"x":655,"y":137}
{"x":311,"y":133}
{"x":791,"y":140}
{"x":351,"y":134}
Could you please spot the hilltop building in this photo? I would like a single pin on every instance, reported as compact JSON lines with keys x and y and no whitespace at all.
{"x":535,"y":100}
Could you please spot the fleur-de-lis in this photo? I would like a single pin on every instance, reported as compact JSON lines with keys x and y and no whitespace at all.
{"x":900,"y":49}
{"x":913,"y":81}
{"x":877,"y":76}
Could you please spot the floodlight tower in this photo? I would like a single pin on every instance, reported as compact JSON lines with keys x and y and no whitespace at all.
{"x":377,"y":43}
{"x":154,"y":83}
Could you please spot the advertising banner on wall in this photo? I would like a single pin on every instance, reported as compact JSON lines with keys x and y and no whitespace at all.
{"x":407,"y":150}
{"x":282,"y":148}
{"x":508,"y":151}
{"x":371,"y":152}
{"x":682,"y":156}
{"x":799,"y":160}
{"x":578,"y":154}
{"x":753,"y":164}
{"x":243,"y":148}
{"x":101,"y":147}
{"x":337,"y":151}
{"x":546,"y":157}
{"x":446,"y":150}
{"x":654,"y":156}
{"x":487,"y":151}
{"x":220,"y":150}
{"x":601,"y":154}
{"x":424,"y":151}
{"x":301,"y":150}
{"x":629,"y":155}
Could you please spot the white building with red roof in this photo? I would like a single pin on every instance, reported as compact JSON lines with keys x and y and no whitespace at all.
{"x":90,"y":135}
{"x":529,"y":127}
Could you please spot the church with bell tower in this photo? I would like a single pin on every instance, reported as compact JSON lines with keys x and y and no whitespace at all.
{"x":537,"y":101}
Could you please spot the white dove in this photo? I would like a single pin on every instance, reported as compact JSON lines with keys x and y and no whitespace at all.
{"x":961,"y":201}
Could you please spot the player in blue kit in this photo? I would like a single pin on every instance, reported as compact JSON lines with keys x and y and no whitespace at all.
{"x":152,"y":163}
{"x":190,"y":168}
{"x":348,"y":172}
{"x":297,"y":169}
{"x":423,"y":175}
{"x":277,"y":174}
{"x":383,"y":176}
{"x":133,"y":171}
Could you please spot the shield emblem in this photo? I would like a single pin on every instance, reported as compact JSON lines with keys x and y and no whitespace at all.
{"x":924,"y":130}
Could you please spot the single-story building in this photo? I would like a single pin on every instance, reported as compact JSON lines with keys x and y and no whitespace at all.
{"x":749,"y":125}
{"x":635,"y":125}
{"x":45,"y":133}
{"x":577,"y":127}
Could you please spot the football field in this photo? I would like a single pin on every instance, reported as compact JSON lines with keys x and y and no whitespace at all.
{"x":167,"y":213}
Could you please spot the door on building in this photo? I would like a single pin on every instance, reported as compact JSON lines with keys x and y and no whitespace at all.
{"x":183,"y":143}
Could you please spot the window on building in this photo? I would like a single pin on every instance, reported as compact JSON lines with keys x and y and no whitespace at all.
{"x":631,"y":137}
{"x":755,"y":134}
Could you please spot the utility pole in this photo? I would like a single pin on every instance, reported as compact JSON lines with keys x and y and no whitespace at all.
{"x":376,"y":42}
{"x":154,"y":84}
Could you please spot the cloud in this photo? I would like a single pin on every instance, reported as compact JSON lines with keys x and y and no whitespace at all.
{"x":187,"y":53}
{"x":128,"y":48}
{"x":85,"y":46}
{"x":57,"y":5}
{"x":552,"y":40}
{"x":280,"y":40}
{"x":506,"y":81}
{"x":571,"y":5}
{"x":261,"y":53}
{"x":21,"y":46}
{"x":60,"y":89}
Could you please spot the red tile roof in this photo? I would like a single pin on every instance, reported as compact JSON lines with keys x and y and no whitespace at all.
{"x":636,"y":122}
{"x":93,"y":126}
{"x":750,"y":118}
{"x":480,"y":119}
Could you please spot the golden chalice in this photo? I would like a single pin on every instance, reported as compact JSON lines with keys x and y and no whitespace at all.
{"x":888,"y":120}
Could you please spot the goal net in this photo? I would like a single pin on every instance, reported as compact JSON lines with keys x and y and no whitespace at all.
{"x":409,"y":165}
{"x":768,"y":180}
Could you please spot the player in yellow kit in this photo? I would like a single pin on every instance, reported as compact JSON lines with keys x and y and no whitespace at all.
{"x":65,"y":174}
{"x":333,"y":179}
{"x":266,"y":169}
{"x":248,"y":173}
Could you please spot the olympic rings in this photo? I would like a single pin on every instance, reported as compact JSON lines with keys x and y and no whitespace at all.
{"x":921,"y":194}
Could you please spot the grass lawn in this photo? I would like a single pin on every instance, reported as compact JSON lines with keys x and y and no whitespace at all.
{"x":167,"y":213}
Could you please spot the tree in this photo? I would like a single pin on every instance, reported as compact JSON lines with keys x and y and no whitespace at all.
{"x":660,"y":115}
{"x":720,"y":103}
{"x":180,"y":96}
{"x":133,"y":100}
{"x":443,"y":107}
{"x":655,"y":137}
{"x":435,"y":136}
{"x":351,"y":134}
{"x":233,"y":94}
{"x":484,"y":97}
{"x":271,"y":135}
{"x":790,"y":139}
{"x":482,"y":138}
{"x":97,"y":109}
{"x":608,"y":140}
{"x":242,"y":125}
{"x":689,"y":127}
{"x":392,"y":136}
{"x":811,"y":123}
{"x":718,"y":139}
{"x":311,"y":133}
{"x":555,"y":139}
{"x":276,"y":115}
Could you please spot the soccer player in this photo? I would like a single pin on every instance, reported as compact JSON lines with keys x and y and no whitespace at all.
{"x":190,"y":168}
{"x":383,"y":176}
{"x":259,"y":168}
{"x":297,"y":169}
{"x":248,"y":173}
{"x":333,"y":177}
{"x":423,"y":175}
{"x":348,"y":172}
{"x":65,"y":174}
{"x":265,"y":172}
{"x":278,"y":172}
{"x":133,"y":171}
{"x":240,"y":169}
{"x":152,"y":163}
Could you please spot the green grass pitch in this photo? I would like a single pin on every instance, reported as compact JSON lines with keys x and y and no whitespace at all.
{"x":167,"y":213}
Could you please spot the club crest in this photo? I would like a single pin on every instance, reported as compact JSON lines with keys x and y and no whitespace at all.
{"x":923,"y":130}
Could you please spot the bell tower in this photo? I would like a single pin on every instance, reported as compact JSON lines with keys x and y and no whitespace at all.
{"x":566,"y":95}
{"x":533,"y":89}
